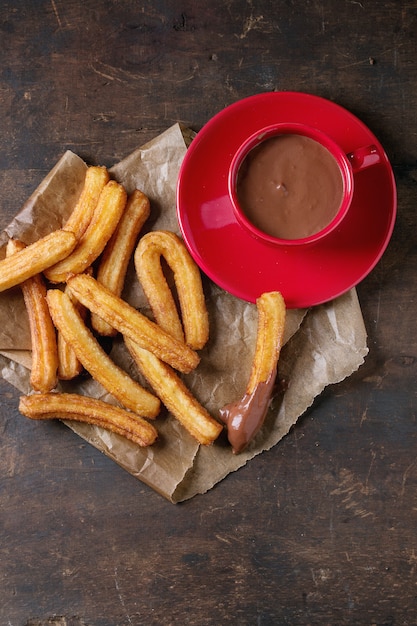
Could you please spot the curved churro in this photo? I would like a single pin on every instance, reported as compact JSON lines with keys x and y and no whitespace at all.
{"x":71,"y":406}
{"x":117,"y":382}
{"x":105,"y":218}
{"x":175,"y":395}
{"x":43,"y":374}
{"x":195,"y":325}
{"x":245,"y":417}
{"x":96,"y":177}
{"x":35,"y":258}
{"x":115,"y":259}
{"x":131,"y":323}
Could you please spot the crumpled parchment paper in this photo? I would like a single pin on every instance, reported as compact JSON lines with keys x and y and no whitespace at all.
{"x":323,"y":345}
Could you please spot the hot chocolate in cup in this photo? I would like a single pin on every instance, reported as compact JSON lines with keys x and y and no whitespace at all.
{"x":292,"y":184}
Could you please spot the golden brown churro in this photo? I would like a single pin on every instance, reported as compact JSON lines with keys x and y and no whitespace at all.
{"x":175,"y":395}
{"x":43,"y":374}
{"x":106,"y":216}
{"x":117,"y":382}
{"x":271,"y":323}
{"x":96,"y":177}
{"x":35,"y":258}
{"x":115,"y":259}
{"x":69,"y":365}
{"x":245,"y":417}
{"x":69,"y":406}
{"x":195,"y":325}
{"x":129,"y":322}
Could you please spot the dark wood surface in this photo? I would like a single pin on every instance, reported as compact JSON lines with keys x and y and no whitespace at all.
{"x":321,"y":530}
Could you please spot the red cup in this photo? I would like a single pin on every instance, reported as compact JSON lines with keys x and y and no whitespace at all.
{"x":347,"y":165}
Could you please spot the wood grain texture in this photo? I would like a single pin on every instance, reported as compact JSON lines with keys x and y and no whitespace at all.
{"x":321,"y":529}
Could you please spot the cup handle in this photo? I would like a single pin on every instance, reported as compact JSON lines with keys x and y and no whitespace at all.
{"x":363,"y":157}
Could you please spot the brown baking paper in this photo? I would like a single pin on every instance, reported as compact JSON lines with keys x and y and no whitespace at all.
{"x":322,"y":346}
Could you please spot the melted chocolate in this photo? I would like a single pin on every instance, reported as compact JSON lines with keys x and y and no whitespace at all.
{"x":290,"y":186}
{"x":246,"y":416}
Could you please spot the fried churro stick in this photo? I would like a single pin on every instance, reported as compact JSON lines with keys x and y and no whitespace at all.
{"x":168,"y":245}
{"x":114,"y":262}
{"x":71,"y":406}
{"x":117,"y":382}
{"x":106,"y":216}
{"x":175,"y":395}
{"x":131,"y":323}
{"x":96,"y":177}
{"x":43,"y":374}
{"x":69,"y":366}
{"x":245,"y":417}
{"x":35,"y":258}
{"x":271,"y":323}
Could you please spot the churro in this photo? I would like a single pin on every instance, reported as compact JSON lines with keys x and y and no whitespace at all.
{"x":35,"y":258}
{"x":43,"y":373}
{"x":89,"y":352}
{"x":69,"y":365}
{"x":115,"y":259}
{"x":245,"y":417}
{"x":75,"y":407}
{"x":96,"y":177}
{"x":131,"y":323}
{"x":105,"y":218}
{"x":195,"y":324}
{"x":174,"y":394}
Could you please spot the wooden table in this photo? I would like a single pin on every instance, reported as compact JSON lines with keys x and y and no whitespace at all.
{"x":321,"y":530}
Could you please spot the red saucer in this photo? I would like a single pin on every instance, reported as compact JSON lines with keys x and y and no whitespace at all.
{"x":246,"y":266}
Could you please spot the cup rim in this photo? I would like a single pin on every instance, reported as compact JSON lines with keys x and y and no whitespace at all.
{"x":281,"y":128}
